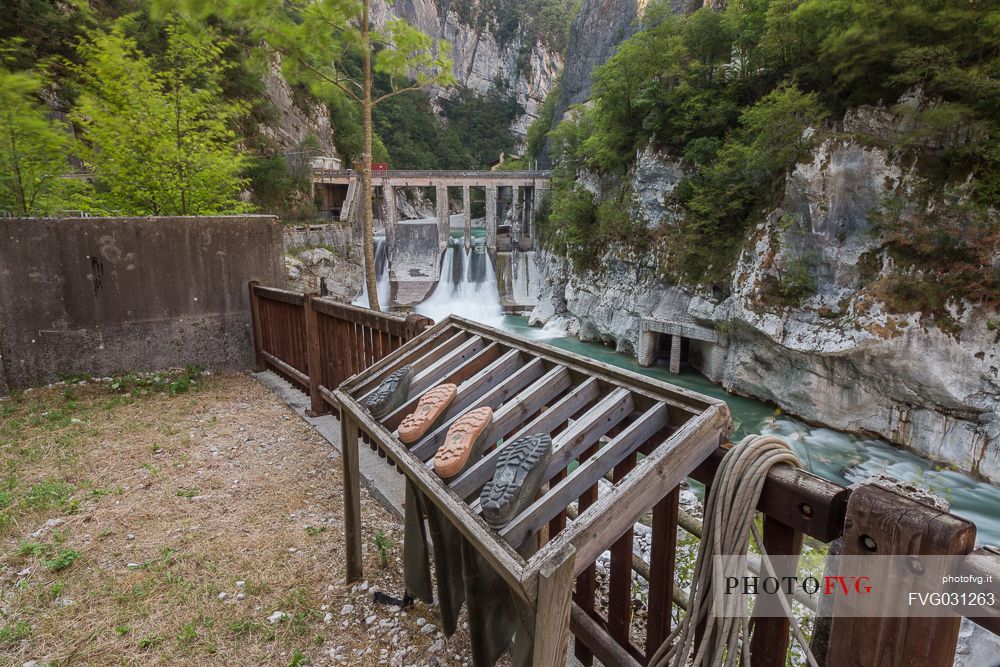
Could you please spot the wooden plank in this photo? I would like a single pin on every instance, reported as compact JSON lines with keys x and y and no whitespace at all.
{"x":316,"y":404}
{"x":294,"y":374}
{"x":258,"y":332}
{"x":429,"y":354}
{"x":558,"y":522}
{"x":794,"y":497}
{"x":443,"y":364}
{"x":281,"y":295}
{"x":335,"y":351}
{"x":589,"y":429}
{"x":407,"y":353}
{"x":620,"y":578}
{"x":769,"y":642}
{"x":562,"y":494}
{"x":880,"y":521}
{"x":984,"y":562}
{"x":586,"y":581}
{"x":690,"y":402}
{"x":473,"y":363}
{"x":500,"y":556}
{"x":595,"y":530}
{"x":589,"y":633}
{"x":499,"y":393}
{"x":352,"y":497}
{"x":471,"y":480}
{"x":552,"y":610}
{"x":585,"y":431}
{"x":663,"y":550}
{"x":515,"y":410}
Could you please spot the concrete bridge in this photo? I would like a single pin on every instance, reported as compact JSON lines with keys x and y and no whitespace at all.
{"x":415,"y":247}
{"x":339,"y":191}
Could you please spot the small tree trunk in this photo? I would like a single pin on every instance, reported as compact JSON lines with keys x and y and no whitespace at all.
{"x":368,"y":229}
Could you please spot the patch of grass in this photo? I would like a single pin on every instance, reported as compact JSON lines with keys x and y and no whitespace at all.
{"x":383,"y":543}
{"x":56,"y":589}
{"x":14,"y":632}
{"x":122,"y":630}
{"x":249,"y":628}
{"x":48,"y":495}
{"x":148,"y":642}
{"x":75,"y":378}
{"x":298,"y":659}
{"x":26,"y":548}
{"x":187,"y":493}
{"x":166,"y":382}
{"x":188,"y":633}
{"x":313,"y":531}
{"x":62,"y":560}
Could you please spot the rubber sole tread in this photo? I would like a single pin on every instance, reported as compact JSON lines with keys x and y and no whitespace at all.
{"x":517,"y":478}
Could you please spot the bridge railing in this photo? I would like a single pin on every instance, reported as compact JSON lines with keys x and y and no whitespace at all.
{"x":417,"y":173}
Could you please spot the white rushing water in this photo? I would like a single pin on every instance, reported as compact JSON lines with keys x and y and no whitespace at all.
{"x":473,"y":295}
{"x":381,"y":276}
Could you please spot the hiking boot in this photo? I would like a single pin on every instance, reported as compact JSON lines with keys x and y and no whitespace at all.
{"x":430,"y":408}
{"x":517,"y":478}
{"x":391,"y":393}
{"x":463,"y":443}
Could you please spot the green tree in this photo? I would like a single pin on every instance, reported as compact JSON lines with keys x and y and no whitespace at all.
{"x":317,"y":40}
{"x":158,"y":134}
{"x":33,"y":149}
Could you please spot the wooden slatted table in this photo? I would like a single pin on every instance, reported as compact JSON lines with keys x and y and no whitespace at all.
{"x":648,"y":434}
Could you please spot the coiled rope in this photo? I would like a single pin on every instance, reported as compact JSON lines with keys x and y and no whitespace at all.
{"x":730,"y":511}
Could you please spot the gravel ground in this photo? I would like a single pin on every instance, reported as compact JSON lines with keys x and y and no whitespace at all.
{"x":189,"y":519}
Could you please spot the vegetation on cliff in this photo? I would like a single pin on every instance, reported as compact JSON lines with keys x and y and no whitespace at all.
{"x":59,"y":96}
{"x":739,"y":95}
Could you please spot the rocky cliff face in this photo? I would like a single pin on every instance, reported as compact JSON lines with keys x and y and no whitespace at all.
{"x":295,"y":119}
{"x":837,"y":357}
{"x":594,"y":36}
{"x":479,"y":61}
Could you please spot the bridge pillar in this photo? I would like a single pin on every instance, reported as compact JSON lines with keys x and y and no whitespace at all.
{"x":537,"y":194}
{"x":515,"y":223}
{"x":391,"y":217}
{"x":646,"y":354}
{"x":491,"y":217}
{"x":467,"y":216}
{"x":444,"y":224}
{"x":675,"y":353}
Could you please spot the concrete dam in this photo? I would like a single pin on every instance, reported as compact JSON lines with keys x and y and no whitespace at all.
{"x":414,"y":254}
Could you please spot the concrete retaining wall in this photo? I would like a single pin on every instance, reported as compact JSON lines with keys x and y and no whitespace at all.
{"x":107,"y":295}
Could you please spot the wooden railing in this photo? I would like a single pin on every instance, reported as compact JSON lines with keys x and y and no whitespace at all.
{"x":317,"y":343}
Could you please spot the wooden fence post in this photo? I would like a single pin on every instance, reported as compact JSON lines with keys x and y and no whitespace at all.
{"x":415,"y":324}
{"x":769,"y":644}
{"x":258,"y":349}
{"x":352,"y":497}
{"x":552,"y":609}
{"x":314,"y":367}
{"x":881,"y":522}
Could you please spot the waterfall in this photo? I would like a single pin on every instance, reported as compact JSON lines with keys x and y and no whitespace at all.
{"x":381,"y":277}
{"x":467,"y":288}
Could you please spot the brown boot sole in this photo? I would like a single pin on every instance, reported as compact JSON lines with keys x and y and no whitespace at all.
{"x":462,"y":441}
{"x":430,"y":407}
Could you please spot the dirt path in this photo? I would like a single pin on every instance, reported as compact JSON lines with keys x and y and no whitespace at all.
{"x":189,"y":522}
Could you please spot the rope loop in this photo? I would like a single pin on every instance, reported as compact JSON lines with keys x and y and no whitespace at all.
{"x":730,"y":510}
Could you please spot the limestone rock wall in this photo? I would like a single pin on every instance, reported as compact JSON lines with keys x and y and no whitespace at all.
{"x":295,"y":119}
{"x":837,"y":358}
{"x":479,"y":60}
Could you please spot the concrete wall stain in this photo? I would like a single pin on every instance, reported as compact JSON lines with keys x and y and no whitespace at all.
{"x":108,"y":295}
